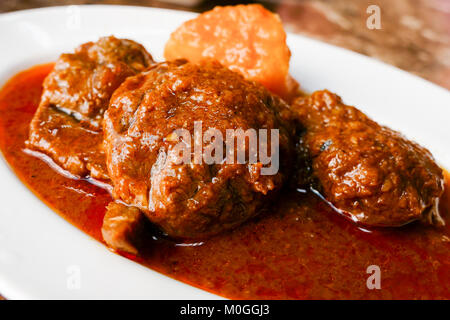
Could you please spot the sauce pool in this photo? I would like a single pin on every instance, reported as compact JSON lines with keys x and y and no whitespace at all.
{"x":299,"y":249}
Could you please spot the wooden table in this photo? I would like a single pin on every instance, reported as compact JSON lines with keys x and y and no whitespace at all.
{"x":414,"y":34}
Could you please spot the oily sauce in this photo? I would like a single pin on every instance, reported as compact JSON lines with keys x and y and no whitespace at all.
{"x":299,"y":249}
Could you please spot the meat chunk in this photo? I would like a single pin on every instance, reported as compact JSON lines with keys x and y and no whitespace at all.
{"x":72,"y":145}
{"x":194,"y":199}
{"x":122,"y":227}
{"x":369,"y":172}
{"x":82,"y":83}
{"x":67,"y":125}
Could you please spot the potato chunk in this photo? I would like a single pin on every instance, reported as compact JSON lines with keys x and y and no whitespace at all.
{"x":246,"y":38}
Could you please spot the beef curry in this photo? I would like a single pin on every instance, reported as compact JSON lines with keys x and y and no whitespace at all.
{"x":92,"y":137}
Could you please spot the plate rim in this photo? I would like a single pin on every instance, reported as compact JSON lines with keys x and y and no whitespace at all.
{"x":6,"y":287}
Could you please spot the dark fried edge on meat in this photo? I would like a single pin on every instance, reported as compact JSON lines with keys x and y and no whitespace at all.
{"x":370,"y":172}
{"x":146,"y":109}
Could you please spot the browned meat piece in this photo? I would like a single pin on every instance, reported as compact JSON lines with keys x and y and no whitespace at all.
{"x":75,"y":147}
{"x":190,"y":200}
{"x":67,"y":125}
{"x":371,"y":173}
{"x":122,"y":227}
{"x":81,"y":83}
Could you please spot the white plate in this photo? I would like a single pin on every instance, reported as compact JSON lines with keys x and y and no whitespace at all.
{"x":40,"y":251}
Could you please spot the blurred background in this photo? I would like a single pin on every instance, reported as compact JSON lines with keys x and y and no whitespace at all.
{"x":414,"y":34}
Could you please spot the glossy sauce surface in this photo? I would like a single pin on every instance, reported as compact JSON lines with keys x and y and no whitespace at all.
{"x":300,"y":249}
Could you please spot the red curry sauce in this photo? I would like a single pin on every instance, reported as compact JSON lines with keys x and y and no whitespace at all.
{"x":299,"y":250}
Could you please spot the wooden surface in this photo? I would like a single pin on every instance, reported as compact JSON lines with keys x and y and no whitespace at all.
{"x":414,"y":34}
